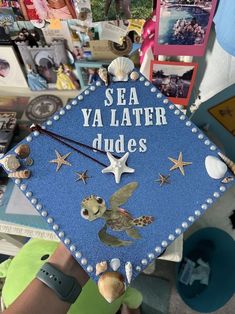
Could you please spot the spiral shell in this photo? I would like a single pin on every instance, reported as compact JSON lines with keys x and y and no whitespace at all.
{"x":22,"y":174}
{"x":227,"y":179}
{"x":111,"y":286}
{"x":22,"y":151}
{"x":228,"y":162}
{"x":128,"y":270}
{"x":10,"y":163}
{"x":103,"y":74}
{"x":120,"y":68}
{"x":101,"y":267}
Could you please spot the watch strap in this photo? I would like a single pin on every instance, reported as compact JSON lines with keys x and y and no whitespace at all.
{"x":66,"y":287}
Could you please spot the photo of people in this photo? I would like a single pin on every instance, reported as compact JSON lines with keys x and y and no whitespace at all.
{"x":184,"y":22}
{"x":47,"y":9}
{"x":174,"y":79}
{"x":120,"y":9}
{"x":10,"y":70}
{"x":14,"y":4}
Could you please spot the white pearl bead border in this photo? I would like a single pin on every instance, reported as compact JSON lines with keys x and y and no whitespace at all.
{"x":197,"y":213}
{"x":204,"y":206}
{"x":56,"y":228}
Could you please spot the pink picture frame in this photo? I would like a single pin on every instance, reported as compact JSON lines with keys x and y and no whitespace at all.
{"x":183,"y":29}
{"x":174,"y":79}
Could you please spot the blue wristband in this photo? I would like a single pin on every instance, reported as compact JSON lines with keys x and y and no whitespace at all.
{"x":66,"y":287}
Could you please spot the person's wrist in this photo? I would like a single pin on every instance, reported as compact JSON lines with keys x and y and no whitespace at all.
{"x":64,"y":261}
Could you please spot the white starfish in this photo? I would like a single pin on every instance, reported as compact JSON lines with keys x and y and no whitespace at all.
{"x":118,"y":166}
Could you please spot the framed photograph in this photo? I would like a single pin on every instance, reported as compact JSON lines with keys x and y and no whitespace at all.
{"x":183,"y":26}
{"x":11,"y":74}
{"x":106,"y":10}
{"x":14,"y":4}
{"x":16,"y":104}
{"x":47,"y":9}
{"x":224,"y":113}
{"x":7,"y":127}
{"x":174,"y":79}
{"x":87,"y":71}
{"x":44,"y":60}
{"x":83,"y":10}
{"x":7,"y":19}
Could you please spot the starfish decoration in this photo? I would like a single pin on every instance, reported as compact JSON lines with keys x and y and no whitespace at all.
{"x":118,"y":166}
{"x":163,"y":179}
{"x":60,"y":160}
{"x":82,"y":176}
{"x":179,"y":163}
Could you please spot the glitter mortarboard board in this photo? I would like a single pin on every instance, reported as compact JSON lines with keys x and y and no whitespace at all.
{"x":118,"y":211}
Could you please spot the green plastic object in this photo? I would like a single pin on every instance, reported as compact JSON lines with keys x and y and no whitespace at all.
{"x":22,"y":269}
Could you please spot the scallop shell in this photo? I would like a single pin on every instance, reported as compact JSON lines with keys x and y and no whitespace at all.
{"x":22,"y":174}
{"x":129,"y":271}
{"x":22,"y":151}
{"x":101,"y":267}
{"x":120,"y":68}
{"x":115,"y":264}
{"x":111,"y":286}
{"x":215,"y":168}
{"x":228,"y":162}
{"x":10,"y":163}
{"x":227,"y":179}
{"x":103,"y":74}
{"x":134,"y":76}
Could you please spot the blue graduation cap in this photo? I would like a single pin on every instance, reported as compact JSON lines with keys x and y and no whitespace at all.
{"x":118,"y":174}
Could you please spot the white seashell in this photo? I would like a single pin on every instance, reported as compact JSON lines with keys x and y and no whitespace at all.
{"x":128,"y":270}
{"x":120,"y":68}
{"x":101,"y":267}
{"x":228,"y":162}
{"x":10,"y":163}
{"x":115,"y":264}
{"x":134,"y":76}
{"x":215,"y":168}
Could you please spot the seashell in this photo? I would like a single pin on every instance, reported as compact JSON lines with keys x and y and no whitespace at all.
{"x":128,"y":270}
{"x":22,"y":174}
{"x":215,"y":168}
{"x":10,"y":163}
{"x":115,"y":264}
{"x":111,"y":286}
{"x":101,"y":267}
{"x":22,"y":151}
{"x":28,"y":162}
{"x":120,"y":68}
{"x":103,"y":74}
{"x":228,"y":162}
{"x":134,"y":76}
{"x":227,"y":179}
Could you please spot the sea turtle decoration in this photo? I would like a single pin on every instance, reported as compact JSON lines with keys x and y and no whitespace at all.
{"x":116,"y":218}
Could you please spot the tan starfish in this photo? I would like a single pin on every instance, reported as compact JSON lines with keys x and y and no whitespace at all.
{"x":82,"y":176}
{"x":60,"y":160}
{"x":163,"y":179}
{"x":179,"y":163}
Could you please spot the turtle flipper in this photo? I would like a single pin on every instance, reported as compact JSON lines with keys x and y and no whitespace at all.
{"x":143,"y":221}
{"x":133,"y":233}
{"x":111,"y":240}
